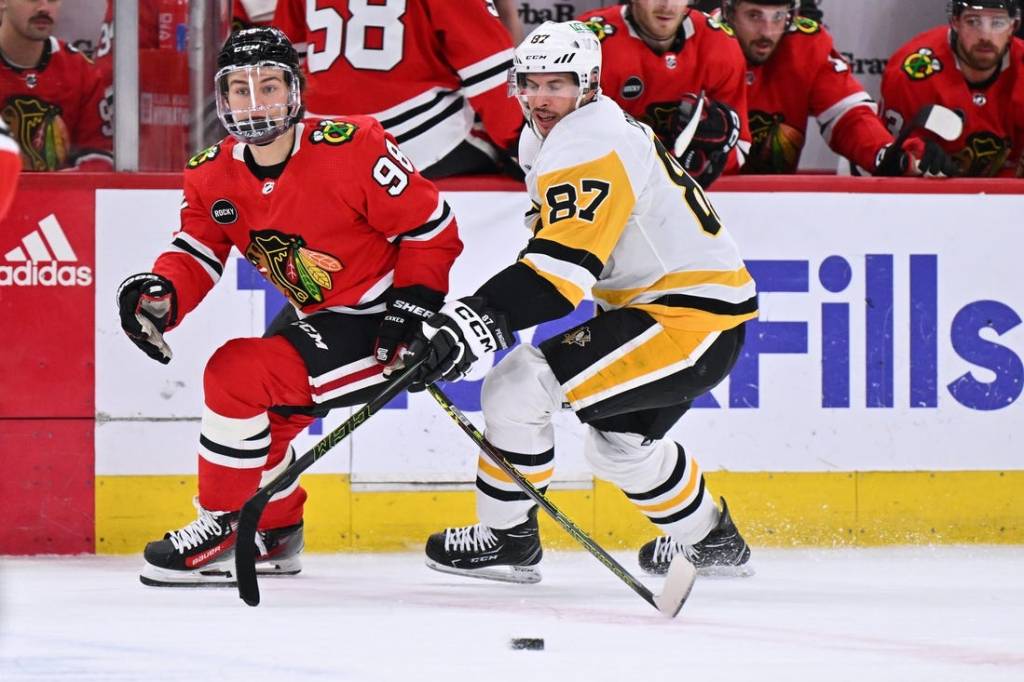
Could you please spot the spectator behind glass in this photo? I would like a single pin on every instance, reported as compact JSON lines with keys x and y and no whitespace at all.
{"x":973,"y":66}
{"x":163,"y":80}
{"x":51,"y":95}
{"x":794,"y":71}
{"x":425,"y":73}
{"x":249,"y":13}
{"x":658,"y":54}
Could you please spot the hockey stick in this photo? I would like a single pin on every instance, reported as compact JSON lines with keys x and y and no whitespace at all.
{"x":932,"y":118}
{"x":681,"y":573}
{"x":686,"y":136}
{"x":252,"y":510}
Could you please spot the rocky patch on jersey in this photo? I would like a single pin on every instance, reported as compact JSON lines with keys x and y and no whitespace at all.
{"x":984,"y":155}
{"x":208,"y":154}
{"x":805,"y":25}
{"x":40,"y":131}
{"x":600,"y":28}
{"x":921,"y":64}
{"x":775,"y":145}
{"x":333,"y":133}
{"x":223,"y":212}
{"x":301,"y":274}
{"x":577,"y":337}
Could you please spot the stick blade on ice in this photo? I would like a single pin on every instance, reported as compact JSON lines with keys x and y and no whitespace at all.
{"x":678,"y":584}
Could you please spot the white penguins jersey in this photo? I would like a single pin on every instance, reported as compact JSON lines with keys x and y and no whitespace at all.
{"x":615,"y":215}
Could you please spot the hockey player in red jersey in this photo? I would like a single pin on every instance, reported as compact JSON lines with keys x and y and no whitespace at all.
{"x":51,"y":95}
{"x":973,"y":66}
{"x":658,"y":55}
{"x":335,"y":216}
{"x":249,"y":13}
{"x":424,"y":68}
{"x":794,"y":72}
{"x":10,"y":166}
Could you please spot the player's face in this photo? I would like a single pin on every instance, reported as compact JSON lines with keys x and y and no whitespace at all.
{"x":660,"y":18}
{"x":983,"y":36}
{"x":759,"y":28}
{"x":259,"y":92}
{"x":31,"y":19}
{"x":549,"y":98}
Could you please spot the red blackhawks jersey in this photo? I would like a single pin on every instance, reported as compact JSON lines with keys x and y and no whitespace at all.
{"x":926,"y":71}
{"x":649,"y":86}
{"x":421,"y":67}
{"x":806,"y":76}
{"x":347,"y":219}
{"x":56,"y":110}
{"x":10,"y":165}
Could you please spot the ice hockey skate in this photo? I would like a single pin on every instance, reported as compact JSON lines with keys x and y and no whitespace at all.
{"x":478,"y":551}
{"x":202,"y":553}
{"x":723,"y":552}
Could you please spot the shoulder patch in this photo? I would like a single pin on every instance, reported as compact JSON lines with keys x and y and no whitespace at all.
{"x":921,"y":64}
{"x":717,"y":25}
{"x":333,"y":133}
{"x":805,"y":25}
{"x":208,"y":154}
{"x":601,"y":29}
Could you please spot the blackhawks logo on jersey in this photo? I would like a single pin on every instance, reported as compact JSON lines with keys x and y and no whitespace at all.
{"x":40,"y":131}
{"x":805,"y":25}
{"x":775,"y":145}
{"x":921,"y":64}
{"x":208,"y":154}
{"x":984,"y":155}
{"x":717,"y":25}
{"x":301,"y":274}
{"x":333,"y":133}
{"x":600,"y":28}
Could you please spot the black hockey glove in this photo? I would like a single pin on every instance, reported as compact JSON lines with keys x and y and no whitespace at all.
{"x":811,"y":10}
{"x":717,"y":133}
{"x":408,"y":308}
{"x":916,"y":157}
{"x":457,"y":336}
{"x":148,"y":305}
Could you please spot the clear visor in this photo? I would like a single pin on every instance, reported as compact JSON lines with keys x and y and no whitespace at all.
{"x":766,"y":17}
{"x":258,"y":102}
{"x":988,"y":23}
{"x":527,"y":86}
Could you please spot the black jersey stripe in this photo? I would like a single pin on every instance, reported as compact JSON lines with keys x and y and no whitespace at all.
{"x":489,"y":73}
{"x":685,"y":511}
{"x":673,"y":480}
{"x":430,"y":226}
{"x":453,"y":109}
{"x":521,"y":460}
{"x":415,"y":111}
{"x":236,"y":453}
{"x":192,"y":251}
{"x":708,"y":305}
{"x":580,"y":257}
{"x":504,"y":495}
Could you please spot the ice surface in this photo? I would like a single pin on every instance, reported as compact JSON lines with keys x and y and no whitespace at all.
{"x":903,"y":614}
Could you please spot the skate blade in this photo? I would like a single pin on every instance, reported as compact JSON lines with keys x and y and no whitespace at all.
{"x":504,"y":574}
{"x":221,"y":574}
{"x":742,"y":571}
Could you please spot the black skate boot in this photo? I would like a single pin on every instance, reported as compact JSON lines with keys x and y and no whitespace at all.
{"x":722,"y":552}
{"x":202,"y":553}
{"x":480,"y":552}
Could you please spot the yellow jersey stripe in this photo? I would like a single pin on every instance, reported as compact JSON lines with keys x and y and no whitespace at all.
{"x":687,"y":491}
{"x":567,"y":288}
{"x":496,"y":473}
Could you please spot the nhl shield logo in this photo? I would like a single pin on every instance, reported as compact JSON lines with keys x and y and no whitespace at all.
{"x":578,"y":337}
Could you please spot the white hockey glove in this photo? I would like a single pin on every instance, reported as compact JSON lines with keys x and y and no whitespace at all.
{"x":148,"y":305}
{"x":459,"y":334}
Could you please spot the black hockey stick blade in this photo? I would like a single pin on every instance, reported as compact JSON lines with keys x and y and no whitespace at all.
{"x":252,"y":510}
{"x":681,"y":574}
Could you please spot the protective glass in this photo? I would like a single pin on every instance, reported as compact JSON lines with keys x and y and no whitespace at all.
{"x":257,"y":103}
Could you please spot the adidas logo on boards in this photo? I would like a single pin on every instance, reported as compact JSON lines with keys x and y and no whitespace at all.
{"x":40,"y":259}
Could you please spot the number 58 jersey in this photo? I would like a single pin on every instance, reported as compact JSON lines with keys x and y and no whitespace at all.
{"x":614,"y":214}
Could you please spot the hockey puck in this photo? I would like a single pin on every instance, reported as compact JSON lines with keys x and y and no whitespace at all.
{"x":531,"y":643}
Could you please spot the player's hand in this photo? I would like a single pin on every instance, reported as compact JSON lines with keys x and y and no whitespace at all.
{"x":148,"y":305}
{"x":717,"y":133}
{"x":450,"y":342}
{"x":408,"y":307}
{"x":916,"y":157}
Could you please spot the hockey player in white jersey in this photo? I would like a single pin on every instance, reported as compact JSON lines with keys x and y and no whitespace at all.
{"x":615,"y":217}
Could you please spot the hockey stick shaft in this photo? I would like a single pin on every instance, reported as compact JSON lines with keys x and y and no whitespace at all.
{"x":561,"y":519}
{"x":252,"y":510}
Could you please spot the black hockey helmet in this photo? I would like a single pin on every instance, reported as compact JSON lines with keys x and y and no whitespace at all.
{"x":245,"y":62}
{"x":957,"y":7}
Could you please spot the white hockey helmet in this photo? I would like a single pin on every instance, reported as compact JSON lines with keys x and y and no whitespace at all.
{"x":558,"y":47}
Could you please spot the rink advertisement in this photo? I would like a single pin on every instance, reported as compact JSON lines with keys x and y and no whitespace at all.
{"x":879,"y":392}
